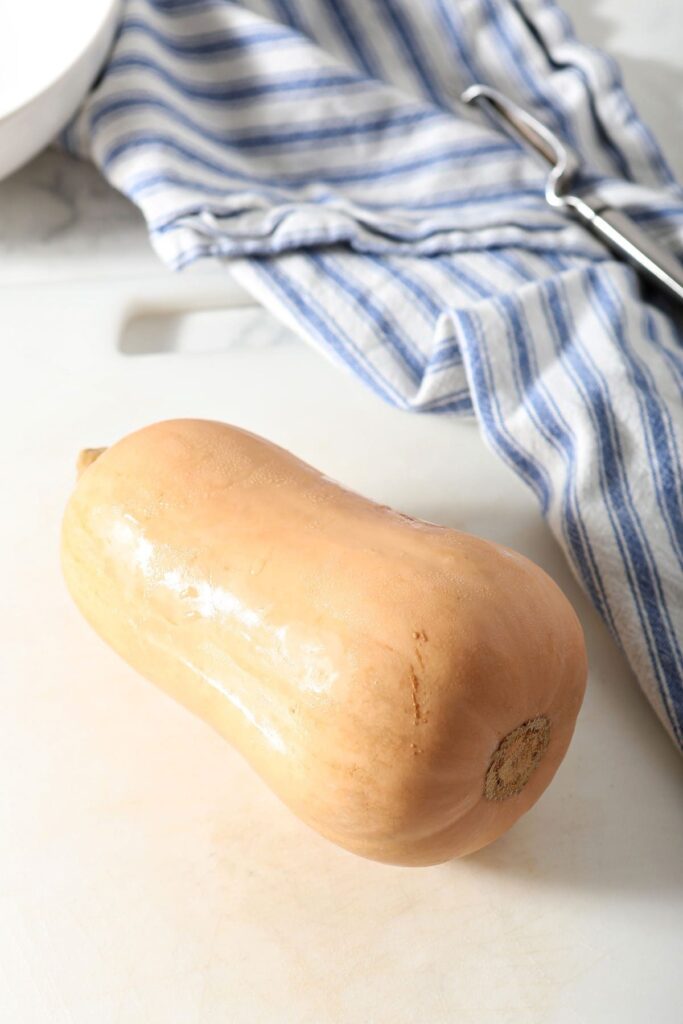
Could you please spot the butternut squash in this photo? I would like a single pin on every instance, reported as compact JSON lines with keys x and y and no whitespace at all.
{"x":408,"y":690}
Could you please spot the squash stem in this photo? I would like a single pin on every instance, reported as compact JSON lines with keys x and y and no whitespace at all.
{"x":86,"y":458}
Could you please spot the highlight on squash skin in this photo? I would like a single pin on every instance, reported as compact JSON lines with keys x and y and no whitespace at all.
{"x":406,"y":689}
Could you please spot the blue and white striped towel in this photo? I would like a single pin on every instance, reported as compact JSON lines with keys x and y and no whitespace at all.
{"x":322,"y":147}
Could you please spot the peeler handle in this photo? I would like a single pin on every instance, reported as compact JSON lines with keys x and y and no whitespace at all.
{"x":624,"y":236}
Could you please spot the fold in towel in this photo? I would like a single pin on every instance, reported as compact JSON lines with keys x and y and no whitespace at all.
{"x":321,"y":147}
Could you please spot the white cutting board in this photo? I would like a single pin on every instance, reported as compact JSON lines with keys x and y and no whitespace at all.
{"x":146,"y":875}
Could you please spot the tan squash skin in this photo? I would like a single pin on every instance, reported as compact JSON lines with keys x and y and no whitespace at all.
{"x":368,"y":665}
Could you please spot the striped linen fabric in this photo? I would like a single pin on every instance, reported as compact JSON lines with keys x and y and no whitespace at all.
{"x":321,"y":147}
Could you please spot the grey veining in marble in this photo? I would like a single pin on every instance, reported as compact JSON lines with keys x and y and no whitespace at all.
{"x":59,"y":219}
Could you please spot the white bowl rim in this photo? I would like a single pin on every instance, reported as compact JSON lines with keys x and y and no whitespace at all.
{"x":72,"y":48}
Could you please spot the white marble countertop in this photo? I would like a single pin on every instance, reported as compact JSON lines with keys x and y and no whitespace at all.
{"x":146,"y":875}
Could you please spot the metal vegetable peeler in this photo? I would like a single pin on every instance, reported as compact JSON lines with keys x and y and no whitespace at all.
{"x":613,"y":227}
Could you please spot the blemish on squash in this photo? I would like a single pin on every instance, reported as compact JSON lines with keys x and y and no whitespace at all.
{"x":420,"y":638}
{"x":515,"y":759}
{"x":414,"y":686}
